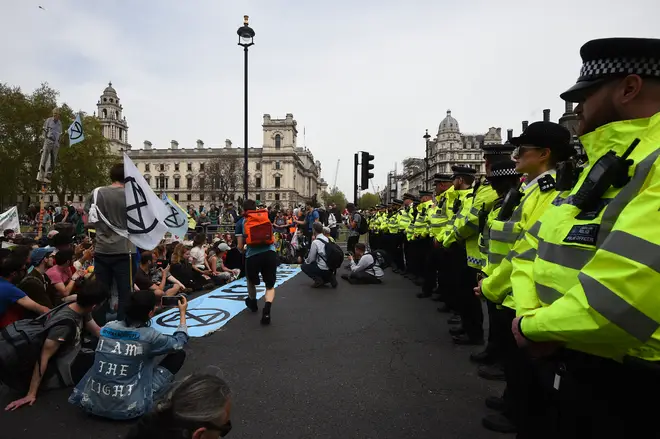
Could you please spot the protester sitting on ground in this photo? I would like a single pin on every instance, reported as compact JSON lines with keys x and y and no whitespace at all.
{"x":216,"y":261}
{"x":143,"y":278}
{"x":198,"y":408}
{"x":84,"y":256}
{"x":62,"y":363}
{"x":159,"y":255}
{"x":315,"y":265}
{"x":199,"y":259}
{"x":13,"y":301}
{"x":60,"y":276}
{"x":366,"y":271}
{"x":125,"y":361}
{"x":8,"y":235}
{"x":37,"y":284}
{"x":182,"y":269}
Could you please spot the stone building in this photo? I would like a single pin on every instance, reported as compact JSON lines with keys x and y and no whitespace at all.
{"x":280,"y":171}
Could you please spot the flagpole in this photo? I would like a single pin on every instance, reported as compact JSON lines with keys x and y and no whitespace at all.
{"x":40,"y":224}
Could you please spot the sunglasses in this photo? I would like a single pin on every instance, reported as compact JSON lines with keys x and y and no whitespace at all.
{"x":520,"y":150}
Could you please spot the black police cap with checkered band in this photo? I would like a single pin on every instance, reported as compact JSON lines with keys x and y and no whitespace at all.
{"x":503,"y":169}
{"x":609,"y":58}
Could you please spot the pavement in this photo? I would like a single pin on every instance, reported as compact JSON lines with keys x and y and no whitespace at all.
{"x":356,"y":362}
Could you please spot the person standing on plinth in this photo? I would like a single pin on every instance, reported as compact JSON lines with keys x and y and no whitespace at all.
{"x":52,"y":134}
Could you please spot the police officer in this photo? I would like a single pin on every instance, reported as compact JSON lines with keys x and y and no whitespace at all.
{"x":394,"y":237}
{"x":596,"y":274}
{"x":406,"y":218}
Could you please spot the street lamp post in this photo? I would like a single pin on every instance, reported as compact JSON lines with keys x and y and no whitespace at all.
{"x":426,"y":161}
{"x":245,"y":39}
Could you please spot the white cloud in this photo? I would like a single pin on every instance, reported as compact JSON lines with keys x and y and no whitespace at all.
{"x":367,"y":77}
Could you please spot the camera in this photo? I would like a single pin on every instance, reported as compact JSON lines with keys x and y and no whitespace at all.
{"x":170,"y":301}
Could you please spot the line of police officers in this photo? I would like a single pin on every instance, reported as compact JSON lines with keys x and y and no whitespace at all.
{"x":568,"y":260}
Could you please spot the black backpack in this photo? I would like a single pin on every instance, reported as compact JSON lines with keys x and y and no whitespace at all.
{"x":364,"y":225}
{"x":20,"y":347}
{"x":334,"y":255}
{"x":380,"y":258}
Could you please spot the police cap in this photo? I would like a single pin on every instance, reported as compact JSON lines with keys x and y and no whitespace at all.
{"x":545,"y":135}
{"x":491,"y":150}
{"x":609,"y":58}
{"x":502,"y":169}
{"x":442,"y":178}
{"x":408,"y":196}
{"x":461,"y":171}
{"x":397,"y":202}
{"x":425,"y":193}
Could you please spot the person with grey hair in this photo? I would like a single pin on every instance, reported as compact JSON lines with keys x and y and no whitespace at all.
{"x":198,"y":408}
{"x":315,"y":265}
{"x":52,"y":133}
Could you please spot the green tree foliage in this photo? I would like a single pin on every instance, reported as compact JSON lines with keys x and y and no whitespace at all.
{"x":368,"y":200}
{"x":335,"y":196}
{"x":80,"y":168}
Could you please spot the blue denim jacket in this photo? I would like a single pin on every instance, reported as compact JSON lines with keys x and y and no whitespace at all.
{"x":125,"y":379}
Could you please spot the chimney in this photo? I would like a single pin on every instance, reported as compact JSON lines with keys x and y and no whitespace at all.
{"x":200,"y":144}
{"x":525,"y":124}
{"x":174,"y":144}
{"x":266,"y":118}
{"x":509,"y":135}
{"x":499,"y":132}
{"x":568,"y":109}
{"x":546,"y":115}
{"x":147,"y":145}
{"x":227,"y":143}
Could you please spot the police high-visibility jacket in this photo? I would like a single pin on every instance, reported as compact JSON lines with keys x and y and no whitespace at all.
{"x":405,"y":217}
{"x":374,"y":223}
{"x":597,"y":273}
{"x":393,"y":223}
{"x":421,"y":227}
{"x":438,"y":215}
{"x":459,"y":199}
{"x":466,"y":224}
{"x":536,"y":199}
{"x":495,"y":251}
{"x":384,"y":226}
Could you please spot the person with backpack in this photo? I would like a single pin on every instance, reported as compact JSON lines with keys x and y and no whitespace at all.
{"x":46,"y":352}
{"x":255,"y":237}
{"x":13,"y":301}
{"x":368,"y":269}
{"x":318,"y":265}
{"x":357,"y":225}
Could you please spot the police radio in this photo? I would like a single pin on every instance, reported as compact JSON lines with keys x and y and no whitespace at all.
{"x":568,"y":173}
{"x":457,"y":206}
{"x":477,"y":183}
{"x":609,"y":170}
{"x":511,"y":201}
{"x":483,"y":217}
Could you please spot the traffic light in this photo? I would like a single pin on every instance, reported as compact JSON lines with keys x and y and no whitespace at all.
{"x":366,"y":173}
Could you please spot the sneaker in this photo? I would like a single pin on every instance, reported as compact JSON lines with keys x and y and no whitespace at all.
{"x":318,"y":283}
{"x":344,"y":276}
{"x":265,"y":319}
{"x":252,"y":304}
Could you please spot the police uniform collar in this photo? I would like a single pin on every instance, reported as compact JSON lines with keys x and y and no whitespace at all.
{"x":609,"y":58}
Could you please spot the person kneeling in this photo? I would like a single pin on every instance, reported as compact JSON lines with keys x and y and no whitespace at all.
{"x":125,"y":380}
{"x":315,"y":266}
{"x":367,"y":270}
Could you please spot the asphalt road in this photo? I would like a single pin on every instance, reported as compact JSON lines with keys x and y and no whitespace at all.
{"x":355,"y":362}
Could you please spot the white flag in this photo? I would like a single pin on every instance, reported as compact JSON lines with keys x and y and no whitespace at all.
{"x":9,"y":220}
{"x":146,"y":213}
{"x":76,"y":133}
{"x":177,"y":219}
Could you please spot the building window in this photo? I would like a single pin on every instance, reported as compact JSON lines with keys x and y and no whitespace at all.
{"x":80,"y":198}
{"x":277,"y":197}
{"x":189,"y":197}
{"x":189,"y":167}
{"x":277,"y":164}
{"x":277,"y":181}
{"x":162,"y":167}
{"x":69,"y":197}
{"x":50,"y":198}
{"x":201,"y":183}
{"x":258,"y":166}
{"x":148,"y":180}
{"x":212,"y":197}
{"x":201,"y":167}
{"x":146,"y":167}
{"x":176,"y":182}
{"x":278,"y":141}
{"x":201,"y":197}
{"x":189,"y":183}
{"x":257,"y":197}
{"x":257,"y":182}
{"x":176,"y":167}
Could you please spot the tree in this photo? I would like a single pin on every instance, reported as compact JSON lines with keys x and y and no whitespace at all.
{"x":222,"y":176}
{"x":79,"y":169}
{"x":368,"y":200}
{"x":335,"y":196}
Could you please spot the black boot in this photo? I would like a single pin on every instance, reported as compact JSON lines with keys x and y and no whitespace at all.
{"x":499,"y":423}
{"x":495,"y":403}
{"x":466,"y":340}
{"x":492,"y":373}
{"x":252,"y":304}
{"x":265,"y":317}
{"x":484,"y":357}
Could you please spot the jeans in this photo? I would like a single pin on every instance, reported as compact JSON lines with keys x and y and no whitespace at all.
{"x":117,"y":268}
{"x":350,"y":244}
{"x":312,"y":270}
{"x":362,"y":277}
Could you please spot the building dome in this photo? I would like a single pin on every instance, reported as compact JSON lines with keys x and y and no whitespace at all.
{"x":448,"y":124}
{"x":110,"y":90}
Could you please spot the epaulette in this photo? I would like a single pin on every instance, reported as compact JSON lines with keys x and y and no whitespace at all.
{"x":546,"y":183}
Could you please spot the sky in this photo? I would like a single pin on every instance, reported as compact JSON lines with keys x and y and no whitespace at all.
{"x":357,"y":75}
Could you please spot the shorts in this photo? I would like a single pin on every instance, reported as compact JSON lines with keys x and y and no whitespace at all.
{"x":264,"y":263}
